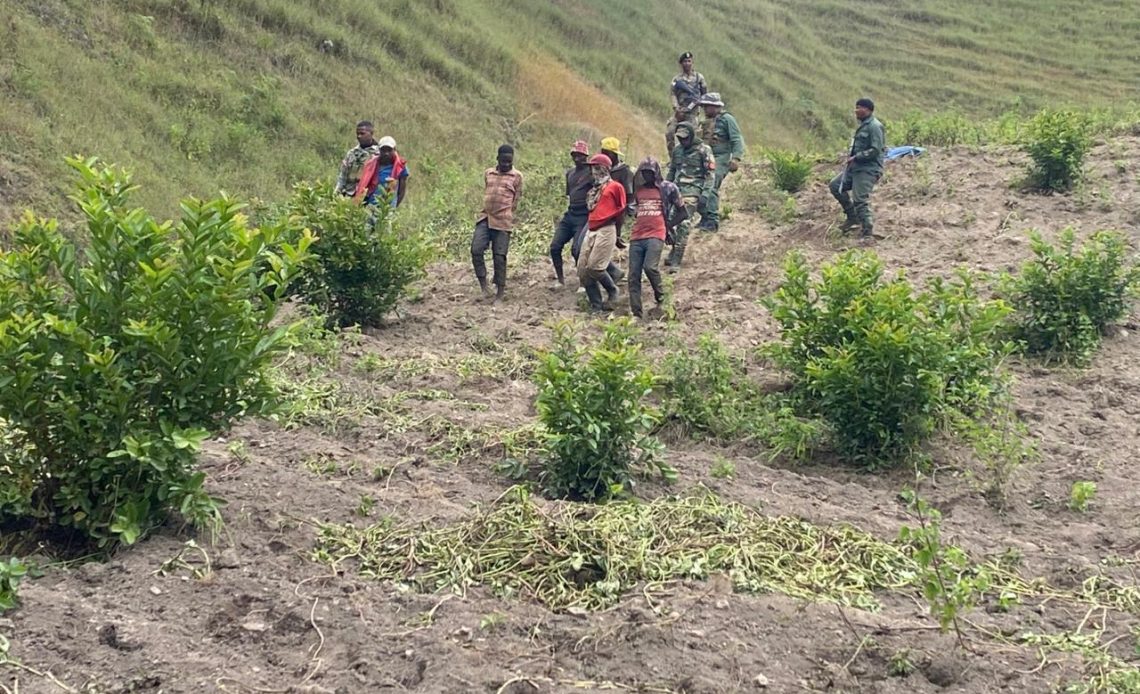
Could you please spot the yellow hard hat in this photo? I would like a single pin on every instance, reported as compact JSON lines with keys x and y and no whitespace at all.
{"x":612,"y":144}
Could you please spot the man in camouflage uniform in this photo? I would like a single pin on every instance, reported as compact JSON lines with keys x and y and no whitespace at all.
{"x":721,"y":133}
{"x":354,"y":161}
{"x":693,"y":169}
{"x":685,"y":90}
{"x":863,"y":170}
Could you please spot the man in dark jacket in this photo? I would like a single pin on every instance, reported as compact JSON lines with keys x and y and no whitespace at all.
{"x":579,"y":180}
{"x":863,"y":170}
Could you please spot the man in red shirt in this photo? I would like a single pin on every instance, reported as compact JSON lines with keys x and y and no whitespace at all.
{"x":659,"y":208}
{"x":606,"y":202}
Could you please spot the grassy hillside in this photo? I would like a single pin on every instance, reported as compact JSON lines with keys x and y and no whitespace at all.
{"x":201,"y":95}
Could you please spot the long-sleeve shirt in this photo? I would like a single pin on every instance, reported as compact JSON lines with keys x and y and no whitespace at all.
{"x":351,"y":167}
{"x":610,"y":207}
{"x":868,"y":146}
{"x":579,"y":180}
{"x":501,"y":195}
{"x":684,"y":90}
{"x":725,"y":139}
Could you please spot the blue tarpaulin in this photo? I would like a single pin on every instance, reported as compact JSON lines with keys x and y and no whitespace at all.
{"x":904,"y":151}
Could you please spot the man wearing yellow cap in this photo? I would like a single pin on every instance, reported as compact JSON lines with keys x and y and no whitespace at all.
{"x":620,"y":172}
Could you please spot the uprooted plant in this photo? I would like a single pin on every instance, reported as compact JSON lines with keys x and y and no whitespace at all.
{"x":121,"y":353}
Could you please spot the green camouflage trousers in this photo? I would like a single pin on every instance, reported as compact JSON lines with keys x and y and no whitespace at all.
{"x":857,"y":205}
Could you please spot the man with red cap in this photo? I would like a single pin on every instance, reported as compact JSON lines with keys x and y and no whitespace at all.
{"x":579,"y":180}
{"x":606,"y":202}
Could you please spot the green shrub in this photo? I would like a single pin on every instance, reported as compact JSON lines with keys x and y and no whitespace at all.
{"x":1057,"y":141}
{"x":790,"y":170}
{"x":119,"y":353}
{"x":879,"y":362}
{"x":12,"y":571}
{"x":1065,"y":298}
{"x":592,"y":405}
{"x":359,"y":272}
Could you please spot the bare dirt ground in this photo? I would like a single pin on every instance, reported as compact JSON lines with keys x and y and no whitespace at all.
{"x":418,"y":425}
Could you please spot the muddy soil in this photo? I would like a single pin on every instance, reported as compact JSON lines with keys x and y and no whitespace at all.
{"x":264,"y":617}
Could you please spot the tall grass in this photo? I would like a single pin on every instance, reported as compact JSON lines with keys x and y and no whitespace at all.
{"x":199,"y":95}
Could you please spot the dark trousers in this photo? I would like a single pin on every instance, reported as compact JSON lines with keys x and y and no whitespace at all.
{"x":571,"y":223}
{"x":857,"y":205}
{"x":644,"y":254}
{"x":499,"y":242}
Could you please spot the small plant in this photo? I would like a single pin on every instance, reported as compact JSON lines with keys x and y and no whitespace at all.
{"x":239,"y":452}
{"x":949,"y":585}
{"x":706,"y":390}
{"x":1081,"y":495}
{"x":900,"y":664}
{"x":1057,"y":141}
{"x":1064,"y":298}
{"x":882,"y":364}
{"x":723,"y":469}
{"x":790,"y":170}
{"x":592,"y":405}
{"x":1000,"y":442}
{"x":492,"y":621}
{"x":367,"y":503}
{"x":12,"y":572}
{"x":321,"y":465}
{"x":360,"y":269}
{"x":119,"y":355}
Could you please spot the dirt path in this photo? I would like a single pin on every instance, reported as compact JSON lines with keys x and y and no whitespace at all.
{"x":418,"y":426}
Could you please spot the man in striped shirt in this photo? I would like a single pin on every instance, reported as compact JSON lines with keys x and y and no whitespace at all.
{"x":502,"y":190}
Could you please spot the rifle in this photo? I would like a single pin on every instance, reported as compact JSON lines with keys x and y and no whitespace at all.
{"x":691,"y":92}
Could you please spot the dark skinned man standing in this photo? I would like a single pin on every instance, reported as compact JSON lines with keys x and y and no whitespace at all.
{"x":502,"y":190}
{"x":863,"y":170}
{"x":353,"y":163}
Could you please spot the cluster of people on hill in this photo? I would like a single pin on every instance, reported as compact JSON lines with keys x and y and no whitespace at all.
{"x":604,"y":196}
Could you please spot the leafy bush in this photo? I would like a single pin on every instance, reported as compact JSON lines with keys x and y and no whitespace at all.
{"x":1057,"y":141}
{"x":882,"y":364}
{"x":12,"y":571}
{"x":120,"y":355}
{"x":790,"y":170}
{"x":1065,"y":298}
{"x":359,"y":272}
{"x":592,"y":404}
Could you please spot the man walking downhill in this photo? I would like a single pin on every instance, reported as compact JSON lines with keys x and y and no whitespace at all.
{"x":863,"y":170}
{"x":579,"y":180}
{"x":693,"y":169}
{"x":385,"y":176}
{"x":659,"y":207}
{"x":353,"y":163}
{"x":684,"y":92}
{"x":501,"y":193}
{"x":722,"y":134}
{"x":606,"y":202}
{"x":620,"y":172}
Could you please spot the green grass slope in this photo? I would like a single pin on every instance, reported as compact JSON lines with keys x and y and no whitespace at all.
{"x":200,"y":95}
